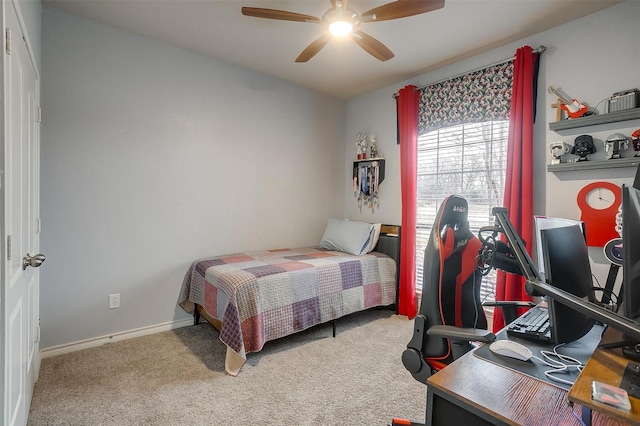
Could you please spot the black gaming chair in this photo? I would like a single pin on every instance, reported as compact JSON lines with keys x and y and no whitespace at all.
{"x":451,"y":315}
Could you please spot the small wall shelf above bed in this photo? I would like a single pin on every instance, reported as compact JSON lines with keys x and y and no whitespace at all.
{"x":367,"y":176}
{"x":369,"y":162}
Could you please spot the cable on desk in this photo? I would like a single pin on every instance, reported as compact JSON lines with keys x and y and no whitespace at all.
{"x":559,"y":363}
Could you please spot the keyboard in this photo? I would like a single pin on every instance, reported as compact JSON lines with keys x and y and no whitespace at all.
{"x":533,"y":325}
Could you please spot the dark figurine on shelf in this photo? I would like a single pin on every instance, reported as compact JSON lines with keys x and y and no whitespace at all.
{"x":583,"y":146}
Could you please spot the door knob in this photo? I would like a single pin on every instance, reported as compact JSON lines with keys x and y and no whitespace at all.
{"x":34,"y":261}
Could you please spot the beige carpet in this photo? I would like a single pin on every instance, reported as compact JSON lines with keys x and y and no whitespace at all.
{"x":177,"y":377}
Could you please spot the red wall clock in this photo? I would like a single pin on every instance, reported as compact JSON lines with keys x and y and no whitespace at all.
{"x":599,"y":203}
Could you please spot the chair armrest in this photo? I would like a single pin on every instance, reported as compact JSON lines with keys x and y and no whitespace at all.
{"x":457,"y":333}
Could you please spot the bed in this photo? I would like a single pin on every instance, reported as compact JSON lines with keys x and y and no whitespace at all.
{"x":252,"y":298}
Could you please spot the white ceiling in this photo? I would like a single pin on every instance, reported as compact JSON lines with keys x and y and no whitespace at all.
{"x":421,"y":43}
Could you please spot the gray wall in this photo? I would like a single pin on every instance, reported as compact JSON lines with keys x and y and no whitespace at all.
{"x":586,"y":58}
{"x":153,"y":157}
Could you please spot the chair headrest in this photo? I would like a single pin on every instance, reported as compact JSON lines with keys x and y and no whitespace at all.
{"x":454,"y":211}
{"x":453,"y":226}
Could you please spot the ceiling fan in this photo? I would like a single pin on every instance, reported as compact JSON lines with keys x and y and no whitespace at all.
{"x":340,"y":21}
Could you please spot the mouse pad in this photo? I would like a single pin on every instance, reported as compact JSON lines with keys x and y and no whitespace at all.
{"x":580,"y":349}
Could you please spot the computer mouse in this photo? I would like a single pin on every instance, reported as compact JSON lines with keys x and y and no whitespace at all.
{"x":511,"y":349}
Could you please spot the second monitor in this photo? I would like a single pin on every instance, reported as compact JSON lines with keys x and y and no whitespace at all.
{"x":567,"y":267}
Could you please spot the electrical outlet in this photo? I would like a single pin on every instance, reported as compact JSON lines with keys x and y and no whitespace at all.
{"x":114,"y":301}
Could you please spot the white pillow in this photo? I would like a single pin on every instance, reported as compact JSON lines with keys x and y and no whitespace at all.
{"x":348,"y":236}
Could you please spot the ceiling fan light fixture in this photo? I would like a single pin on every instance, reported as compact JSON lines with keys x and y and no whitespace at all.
{"x":340,"y":21}
{"x":340,"y":28}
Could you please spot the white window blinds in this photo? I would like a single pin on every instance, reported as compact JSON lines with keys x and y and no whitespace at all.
{"x":467,"y":160}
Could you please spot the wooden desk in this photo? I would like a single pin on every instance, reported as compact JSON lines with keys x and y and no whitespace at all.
{"x":474,"y":391}
{"x":606,"y":366}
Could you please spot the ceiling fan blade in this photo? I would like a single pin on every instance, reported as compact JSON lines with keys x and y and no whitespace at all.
{"x":314,"y":48}
{"x":282,"y":15}
{"x":372,"y":46}
{"x":401,"y":9}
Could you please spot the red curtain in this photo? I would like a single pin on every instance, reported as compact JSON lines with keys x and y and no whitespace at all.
{"x":518,"y":193}
{"x":407,"y":104}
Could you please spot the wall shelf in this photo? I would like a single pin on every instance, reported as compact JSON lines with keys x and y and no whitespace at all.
{"x":594,"y":120}
{"x":592,"y":165}
{"x":380,"y":161}
{"x":368,"y":174}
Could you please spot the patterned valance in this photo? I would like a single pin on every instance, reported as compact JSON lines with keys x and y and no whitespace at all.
{"x":476,"y":97}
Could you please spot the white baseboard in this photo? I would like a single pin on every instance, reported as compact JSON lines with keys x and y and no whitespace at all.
{"x":124,"y":335}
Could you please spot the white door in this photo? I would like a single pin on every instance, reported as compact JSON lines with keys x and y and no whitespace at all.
{"x":21,"y":216}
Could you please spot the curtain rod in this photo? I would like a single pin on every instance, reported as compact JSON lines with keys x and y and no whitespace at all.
{"x":539,"y":50}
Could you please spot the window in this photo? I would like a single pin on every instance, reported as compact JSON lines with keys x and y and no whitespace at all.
{"x":467,"y":160}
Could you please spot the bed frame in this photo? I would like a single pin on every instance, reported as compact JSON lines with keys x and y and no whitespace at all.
{"x":388,"y":243}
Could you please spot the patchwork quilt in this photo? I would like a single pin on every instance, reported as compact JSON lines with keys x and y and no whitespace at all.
{"x":266,"y":295}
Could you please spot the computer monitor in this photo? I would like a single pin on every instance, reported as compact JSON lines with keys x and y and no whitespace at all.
{"x":631,"y":253}
{"x":547,"y":222}
{"x":567,"y":267}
